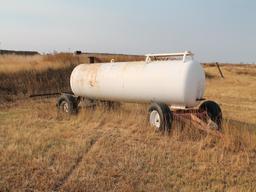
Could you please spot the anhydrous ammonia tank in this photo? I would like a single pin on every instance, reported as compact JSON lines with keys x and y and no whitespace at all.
{"x":174,"y":82}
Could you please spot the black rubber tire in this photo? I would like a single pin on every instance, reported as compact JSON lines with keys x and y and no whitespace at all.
{"x":71,"y":103}
{"x":165,"y":114}
{"x":213,"y":111}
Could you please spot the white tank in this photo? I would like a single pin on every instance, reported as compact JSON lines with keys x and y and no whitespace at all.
{"x":173,"y":82}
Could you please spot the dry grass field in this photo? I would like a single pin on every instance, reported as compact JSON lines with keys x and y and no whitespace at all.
{"x":101,"y":150}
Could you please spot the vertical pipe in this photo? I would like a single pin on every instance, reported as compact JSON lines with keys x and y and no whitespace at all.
{"x":91,"y":59}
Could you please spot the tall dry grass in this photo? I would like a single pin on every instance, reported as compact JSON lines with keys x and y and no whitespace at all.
{"x":236,"y":92}
{"x":18,"y":63}
{"x":117,"y":150}
{"x":21,"y":76}
{"x":15,"y":63}
{"x":101,"y":150}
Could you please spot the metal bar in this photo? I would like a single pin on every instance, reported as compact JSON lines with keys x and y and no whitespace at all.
{"x":184,"y":55}
{"x":199,"y":124}
{"x":218,"y":66}
{"x":44,"y":94}
{"x":170,"y":54}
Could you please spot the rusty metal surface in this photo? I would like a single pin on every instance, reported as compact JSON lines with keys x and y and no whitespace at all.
{"x":197,"y":120}
{"x":92,"y":73}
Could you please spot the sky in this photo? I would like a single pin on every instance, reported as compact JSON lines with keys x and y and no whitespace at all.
{"x":215,"y":30}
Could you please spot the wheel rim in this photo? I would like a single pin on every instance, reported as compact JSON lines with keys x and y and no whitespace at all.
{"x":65,"y":107}
{"x":154,"y":119}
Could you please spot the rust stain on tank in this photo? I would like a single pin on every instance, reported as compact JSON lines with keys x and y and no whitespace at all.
{"x":92,"y":72}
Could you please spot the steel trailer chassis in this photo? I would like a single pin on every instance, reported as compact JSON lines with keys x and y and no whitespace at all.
{"x":206,"y":115}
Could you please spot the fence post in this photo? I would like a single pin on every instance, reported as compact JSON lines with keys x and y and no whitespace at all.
{"x":218,"y":66}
